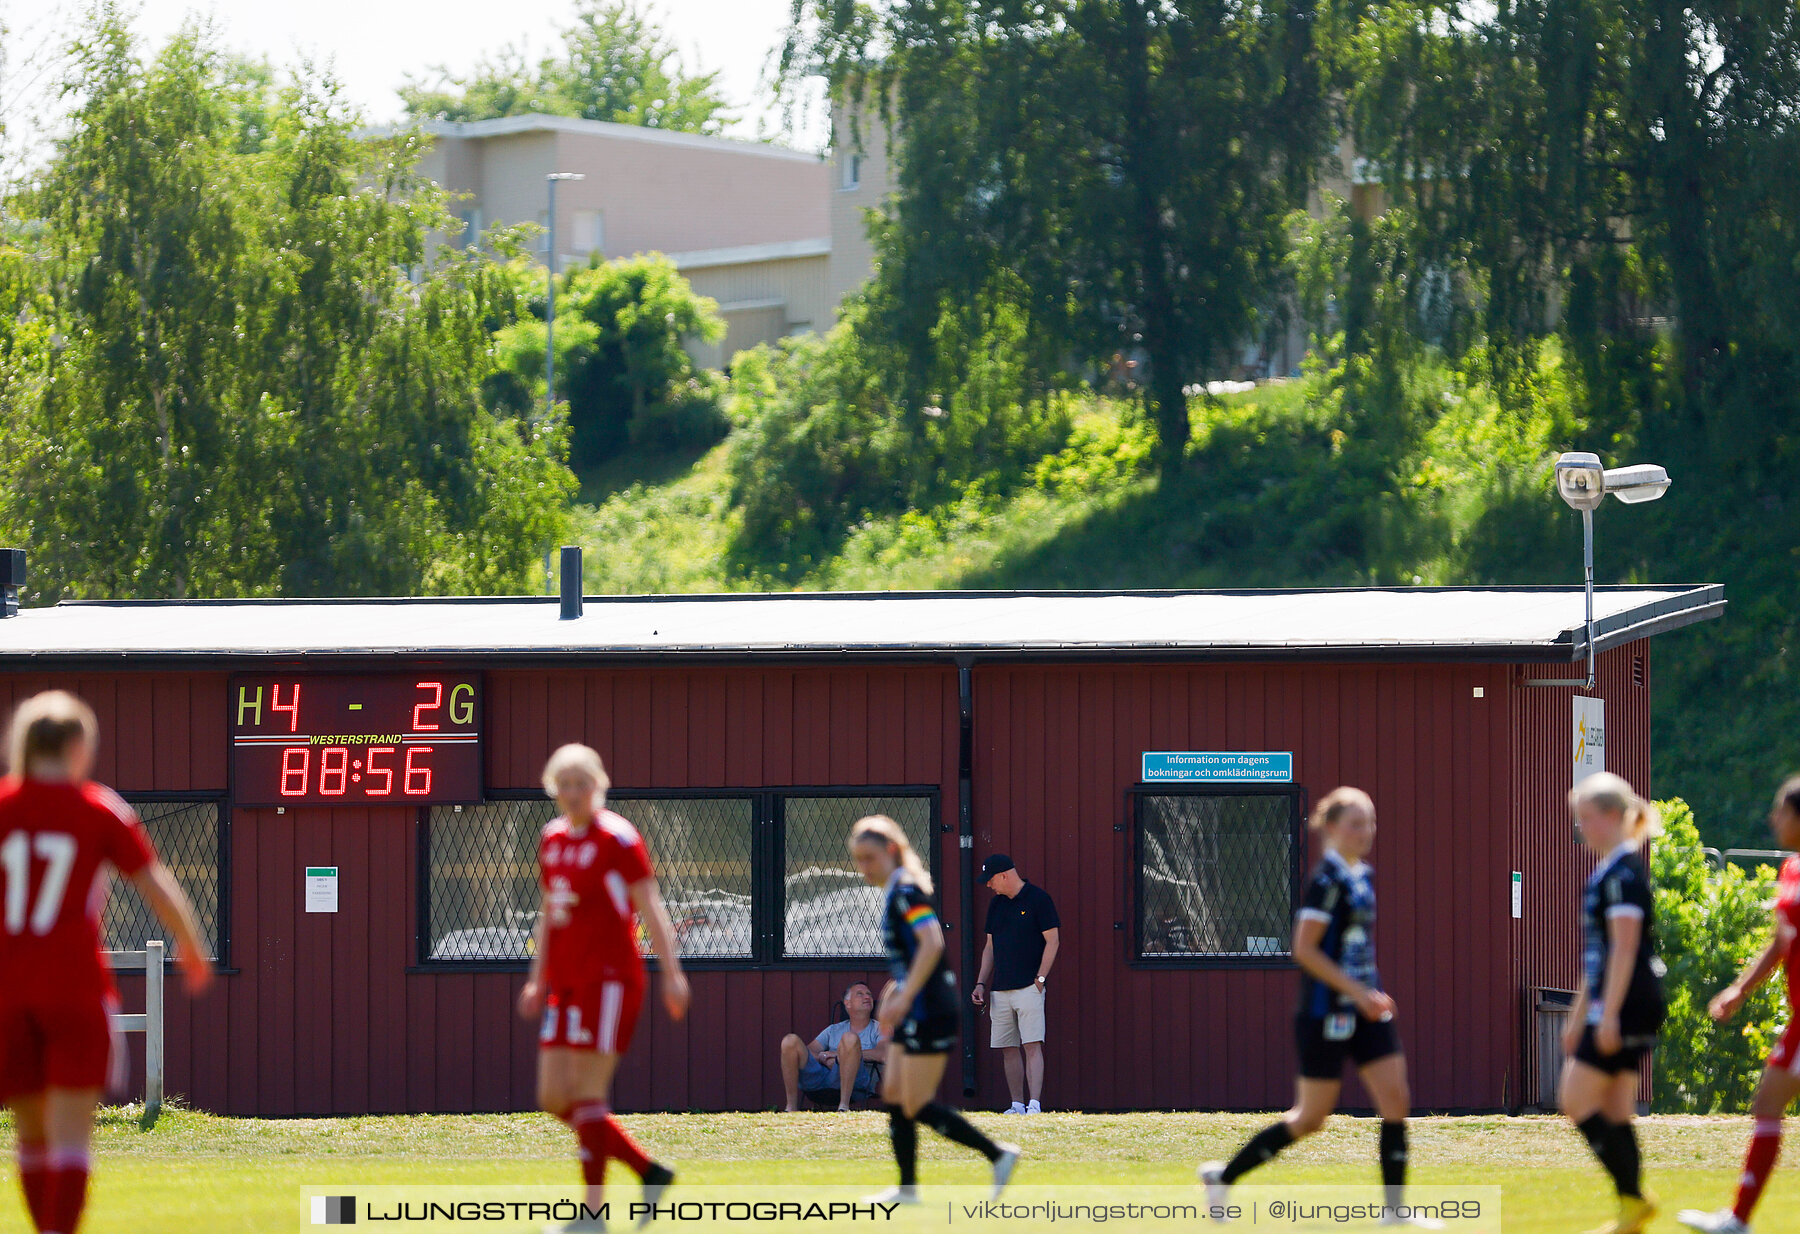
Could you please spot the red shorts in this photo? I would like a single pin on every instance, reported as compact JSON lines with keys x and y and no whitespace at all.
{"x":598,"y":1017}
{"x":1786,"y":1055}
{"x":57,"y":1045}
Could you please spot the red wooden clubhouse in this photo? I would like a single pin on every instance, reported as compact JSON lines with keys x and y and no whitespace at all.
{"x":745,"y":733}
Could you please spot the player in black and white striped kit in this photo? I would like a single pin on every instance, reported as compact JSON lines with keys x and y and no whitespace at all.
{"x":1344,"y":1014}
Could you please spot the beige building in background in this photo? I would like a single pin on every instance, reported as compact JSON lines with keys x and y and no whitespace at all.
{"x":861,"y":181}
{"x":777,"y":236}
{"x":747,"y":223}
{"x":770,"y":290}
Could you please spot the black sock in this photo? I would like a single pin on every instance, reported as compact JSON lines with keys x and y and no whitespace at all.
{"x":905,"y":1135}
{"x":1619,"y":1161}
{"x":1622,"y":1160}
{"x":1593,"y":1129}
{"x":1393,"y":1161}
{"x":953,"y":1126}
{"x":1262,"y":1146}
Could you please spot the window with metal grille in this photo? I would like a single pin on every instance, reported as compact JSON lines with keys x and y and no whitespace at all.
{"x":828,"y":910}
{"x":1216,"y":873}
{"x":702,"y":847}
{"x":762,"y":877}
{"x":186,"y":837}
{"x":481,"y":879}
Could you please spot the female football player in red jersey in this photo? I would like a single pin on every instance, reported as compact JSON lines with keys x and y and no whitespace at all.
{"x":918,"y":1010}
{"x":1781,"y":1077}
{"x":587,"y":979}
{"x":58,"y":832}
{"x":1615,"y":1018}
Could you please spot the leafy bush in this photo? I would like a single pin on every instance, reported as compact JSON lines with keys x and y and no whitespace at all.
{"x":1709,"y":924}
{"x":817,"y":444}
{"x":647,"y":540}
{"x":621,"y":362}
{"x":827,"y":434}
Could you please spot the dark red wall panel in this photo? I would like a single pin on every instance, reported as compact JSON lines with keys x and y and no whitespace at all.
{"x":322,"y":1015}
{"x":1546,"y":943}
{"x":1056,"y":750}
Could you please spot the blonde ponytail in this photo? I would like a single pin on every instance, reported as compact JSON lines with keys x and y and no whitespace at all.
{"x":44,"y":726}
{"x":1605,"y":791}
{"x":880,"y":829}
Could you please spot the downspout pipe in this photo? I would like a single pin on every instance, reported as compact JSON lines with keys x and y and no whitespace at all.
{"x":965,"y":849}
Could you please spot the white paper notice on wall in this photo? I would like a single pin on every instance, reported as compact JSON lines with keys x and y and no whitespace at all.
{"x":1518,"y":899}
{"x":321,"y":889}
{"x":1590,"y":737}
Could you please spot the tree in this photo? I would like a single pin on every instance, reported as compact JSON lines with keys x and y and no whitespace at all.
{"x":1129,"y":163}
{"x":236,"y":375}
{"x":820,"y":442}
{"x":1709,"y":923}
{"x":1612,"y":155}
{"x":615,"y":64}
{"x":621,"y":362}
{"x":1617,"y":175}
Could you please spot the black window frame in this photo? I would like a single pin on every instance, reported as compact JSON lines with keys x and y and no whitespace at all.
{"x":776,"y":868}
{"x":222,"y":800}
{"x":768,"y":883}
{"x":1135,"y":956}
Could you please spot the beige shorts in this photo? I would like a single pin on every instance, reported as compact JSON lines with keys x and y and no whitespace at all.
{"x":1017,"y":1015}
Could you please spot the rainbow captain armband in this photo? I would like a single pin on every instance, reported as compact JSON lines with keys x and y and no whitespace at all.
{"x":919,"y":914}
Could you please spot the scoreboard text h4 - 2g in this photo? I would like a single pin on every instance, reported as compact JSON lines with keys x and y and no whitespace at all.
{"x":388,"y":739}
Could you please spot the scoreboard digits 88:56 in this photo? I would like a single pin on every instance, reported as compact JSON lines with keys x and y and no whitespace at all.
{"x":342,"y":740}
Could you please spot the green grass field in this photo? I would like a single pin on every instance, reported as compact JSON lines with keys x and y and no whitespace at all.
{"x":196,"y":1172}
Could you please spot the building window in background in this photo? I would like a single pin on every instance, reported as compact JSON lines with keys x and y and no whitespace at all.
{"x":1215,"y":873}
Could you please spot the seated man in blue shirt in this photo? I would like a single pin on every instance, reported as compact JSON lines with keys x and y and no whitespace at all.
{"x":842,"y":1059}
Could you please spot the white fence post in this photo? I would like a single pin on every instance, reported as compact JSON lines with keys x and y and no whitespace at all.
{"x":153,"y":1029}
{"x":150,"y":1023}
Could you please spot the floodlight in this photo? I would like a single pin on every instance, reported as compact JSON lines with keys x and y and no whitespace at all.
{"x":1580,"y":480}
{"x":1583,"y":484}
{"x":1643,"y":482}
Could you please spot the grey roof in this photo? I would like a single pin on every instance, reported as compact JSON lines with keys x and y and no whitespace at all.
{"x":539,"y":122}
{"x":1543,"y":624}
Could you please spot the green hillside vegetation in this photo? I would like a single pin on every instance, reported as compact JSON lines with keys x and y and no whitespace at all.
{"x":1279,"y":493}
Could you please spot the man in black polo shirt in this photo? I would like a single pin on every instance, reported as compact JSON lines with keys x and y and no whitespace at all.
{"x":1022,"y":938}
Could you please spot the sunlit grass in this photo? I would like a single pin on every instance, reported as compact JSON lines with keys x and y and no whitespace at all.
{"x":203,"y":1172}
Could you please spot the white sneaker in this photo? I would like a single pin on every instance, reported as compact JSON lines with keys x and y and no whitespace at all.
{"x":1034,"y":1108}
{"x":1218,"y":1191}
{"x":1722,"y":1222}
{"x":1003,"y":1165}
{"x":895,"y":1195}
{"x":1015,"y":1108}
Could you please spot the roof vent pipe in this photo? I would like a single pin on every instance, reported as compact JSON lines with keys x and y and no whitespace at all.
{"x":571,"y":582}
{"x":12,"y":577}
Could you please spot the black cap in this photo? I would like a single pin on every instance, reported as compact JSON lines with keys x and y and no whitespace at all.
{"x":998,"y":863}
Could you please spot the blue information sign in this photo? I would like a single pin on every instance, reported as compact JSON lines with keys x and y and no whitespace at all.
{"x":1166,"y":765}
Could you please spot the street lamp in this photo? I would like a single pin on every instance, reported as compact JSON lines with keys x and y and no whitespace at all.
{"x":550,"y":302}
{"x":1583,"y":484}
